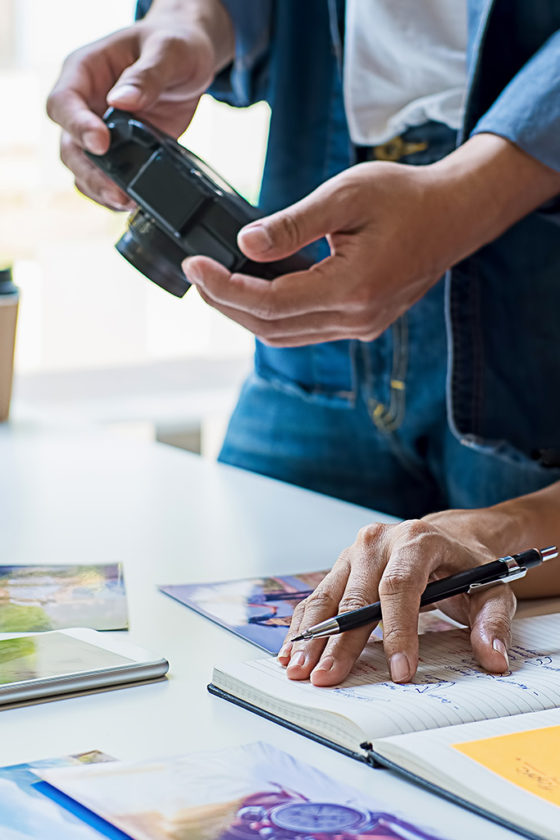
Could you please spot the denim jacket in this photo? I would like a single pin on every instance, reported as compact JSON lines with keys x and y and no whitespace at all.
{"x":502,"y":303}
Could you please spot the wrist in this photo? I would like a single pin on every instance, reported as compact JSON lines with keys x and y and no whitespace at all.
{"x":500,"y":529}
{"x":485,"y":186}
{"x":207,"y":16}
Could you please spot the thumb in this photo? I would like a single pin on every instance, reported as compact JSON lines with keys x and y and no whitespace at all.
{"x":142,"y":83}
{"x":285,"y":232}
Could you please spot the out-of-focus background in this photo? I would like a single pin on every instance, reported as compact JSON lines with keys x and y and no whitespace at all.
{"x":97,"y":343}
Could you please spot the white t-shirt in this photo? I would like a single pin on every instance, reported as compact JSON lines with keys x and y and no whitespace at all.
{"x":404,"y":64}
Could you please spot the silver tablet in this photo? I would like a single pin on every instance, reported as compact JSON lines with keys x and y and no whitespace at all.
{"x":40,"y":665}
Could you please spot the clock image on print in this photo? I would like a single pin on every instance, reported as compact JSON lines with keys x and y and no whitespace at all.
{"x":318,"y":817}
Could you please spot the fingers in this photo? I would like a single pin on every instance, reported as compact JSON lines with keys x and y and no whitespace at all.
{"x":139,"y":85}
{"x":77,"y":102}
{"x":394,"y":563}
{"x":301,"y":657}
{"x":492,"y":611}
{"x":340,"y":653}
{"x":292,"y":310}
{"x":68,"y":108}
{"x":89,"y":179}
{"x":413,"y":554}
{"x":292,"y":294}
{"x":128,"y":69}
{"x":318,"y":214}
{"x":350,"y":585}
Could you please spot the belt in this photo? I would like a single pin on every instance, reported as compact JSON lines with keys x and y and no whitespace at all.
{"x":393,"y":149}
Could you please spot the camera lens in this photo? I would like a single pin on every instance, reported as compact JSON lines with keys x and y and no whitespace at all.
{"x":149,"y":250}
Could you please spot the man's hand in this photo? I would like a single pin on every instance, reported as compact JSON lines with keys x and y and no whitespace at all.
{"x":394,"y":564}
{"x":158,"y":68}
{"x":393,"y":231}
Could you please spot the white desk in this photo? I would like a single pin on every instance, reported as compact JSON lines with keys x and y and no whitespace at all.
{"x":171,"y":517}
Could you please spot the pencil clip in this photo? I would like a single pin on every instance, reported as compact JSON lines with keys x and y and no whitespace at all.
{"x":518,"y":573}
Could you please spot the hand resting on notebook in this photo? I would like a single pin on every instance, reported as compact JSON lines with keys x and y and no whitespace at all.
{"x":394,"y":563}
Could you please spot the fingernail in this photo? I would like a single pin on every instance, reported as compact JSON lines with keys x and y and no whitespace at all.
{"x":325,"y":664}
{"x":498,"y":645}
{"x":114,"y":202}
{"x":124,"y":92}
{"x":256,"y":238}
{"x":190,"y":272}
{"x":94,"y":143}
{"x":400,"y":667}
{"x":297,"y":660}
{"x":285,"y":650}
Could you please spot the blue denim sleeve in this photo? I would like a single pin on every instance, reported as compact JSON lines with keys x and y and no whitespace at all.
{"x":527,"y":112}
{"x":244,"y":81}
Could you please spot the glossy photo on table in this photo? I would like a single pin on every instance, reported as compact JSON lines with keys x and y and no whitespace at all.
{"x":36,"y":597}
{"x":260,"y":609}
{"x":257,"y":609}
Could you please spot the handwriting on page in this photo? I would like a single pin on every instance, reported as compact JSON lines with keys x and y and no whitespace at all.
{"x":449,"y":687}
{"x":529,"y":759}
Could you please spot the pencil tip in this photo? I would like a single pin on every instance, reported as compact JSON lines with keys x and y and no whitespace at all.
{"x":297,"y":638}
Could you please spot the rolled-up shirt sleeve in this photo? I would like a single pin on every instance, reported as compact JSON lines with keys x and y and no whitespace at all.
{"x":527,"y":112}
{"x":244,"y":81}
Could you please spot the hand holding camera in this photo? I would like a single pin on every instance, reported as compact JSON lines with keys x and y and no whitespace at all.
{"x":158,"y":68}
{"x":184,"y":208}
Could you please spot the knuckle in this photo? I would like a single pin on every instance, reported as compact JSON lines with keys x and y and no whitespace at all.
{"x":415,"y":527}
{"x":371,"y":534}
{"x":353,"y":600}
{"x":299,"y":610}
{"x":52,"y":103}
{"x":173,"y":46}
{"x":394,"y":638}
{"x":501,"y":626}
{"x":145,"y":77}
{"x":342,"y":564}
{"x":397,"y":582}
{"x":66,"y":148}
{"x":415,"y":534}
{"x":348,"y":190}
{"x":287,"y":230}
{"x":322,"y":599}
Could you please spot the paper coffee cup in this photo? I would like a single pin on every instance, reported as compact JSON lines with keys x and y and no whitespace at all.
{"x":8,"y":322}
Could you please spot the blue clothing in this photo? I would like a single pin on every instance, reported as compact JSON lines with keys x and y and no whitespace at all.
{"x":383,"y":439}
{"x":456,"y":403}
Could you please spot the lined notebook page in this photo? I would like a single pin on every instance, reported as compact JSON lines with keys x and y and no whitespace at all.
{"x":433,"y":757}
{"x":449,"y":688}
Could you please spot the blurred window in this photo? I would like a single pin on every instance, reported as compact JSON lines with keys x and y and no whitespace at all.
{"x":83,"y":307}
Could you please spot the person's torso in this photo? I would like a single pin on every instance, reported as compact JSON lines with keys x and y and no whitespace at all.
{"x":514,"y":282}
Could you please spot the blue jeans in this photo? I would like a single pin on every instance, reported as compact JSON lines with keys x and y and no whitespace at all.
{"x":367,"y":421}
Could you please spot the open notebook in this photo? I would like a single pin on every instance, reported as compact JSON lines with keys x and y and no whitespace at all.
{"x":362,"y":716}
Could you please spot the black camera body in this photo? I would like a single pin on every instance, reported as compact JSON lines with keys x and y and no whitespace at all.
{"x":185,"y":209}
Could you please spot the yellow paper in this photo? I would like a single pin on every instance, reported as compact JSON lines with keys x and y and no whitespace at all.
{"x":529,"y":759}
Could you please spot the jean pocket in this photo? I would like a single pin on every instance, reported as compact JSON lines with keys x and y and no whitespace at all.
{"x":320,"y":373}
{"x":543,"y":462}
